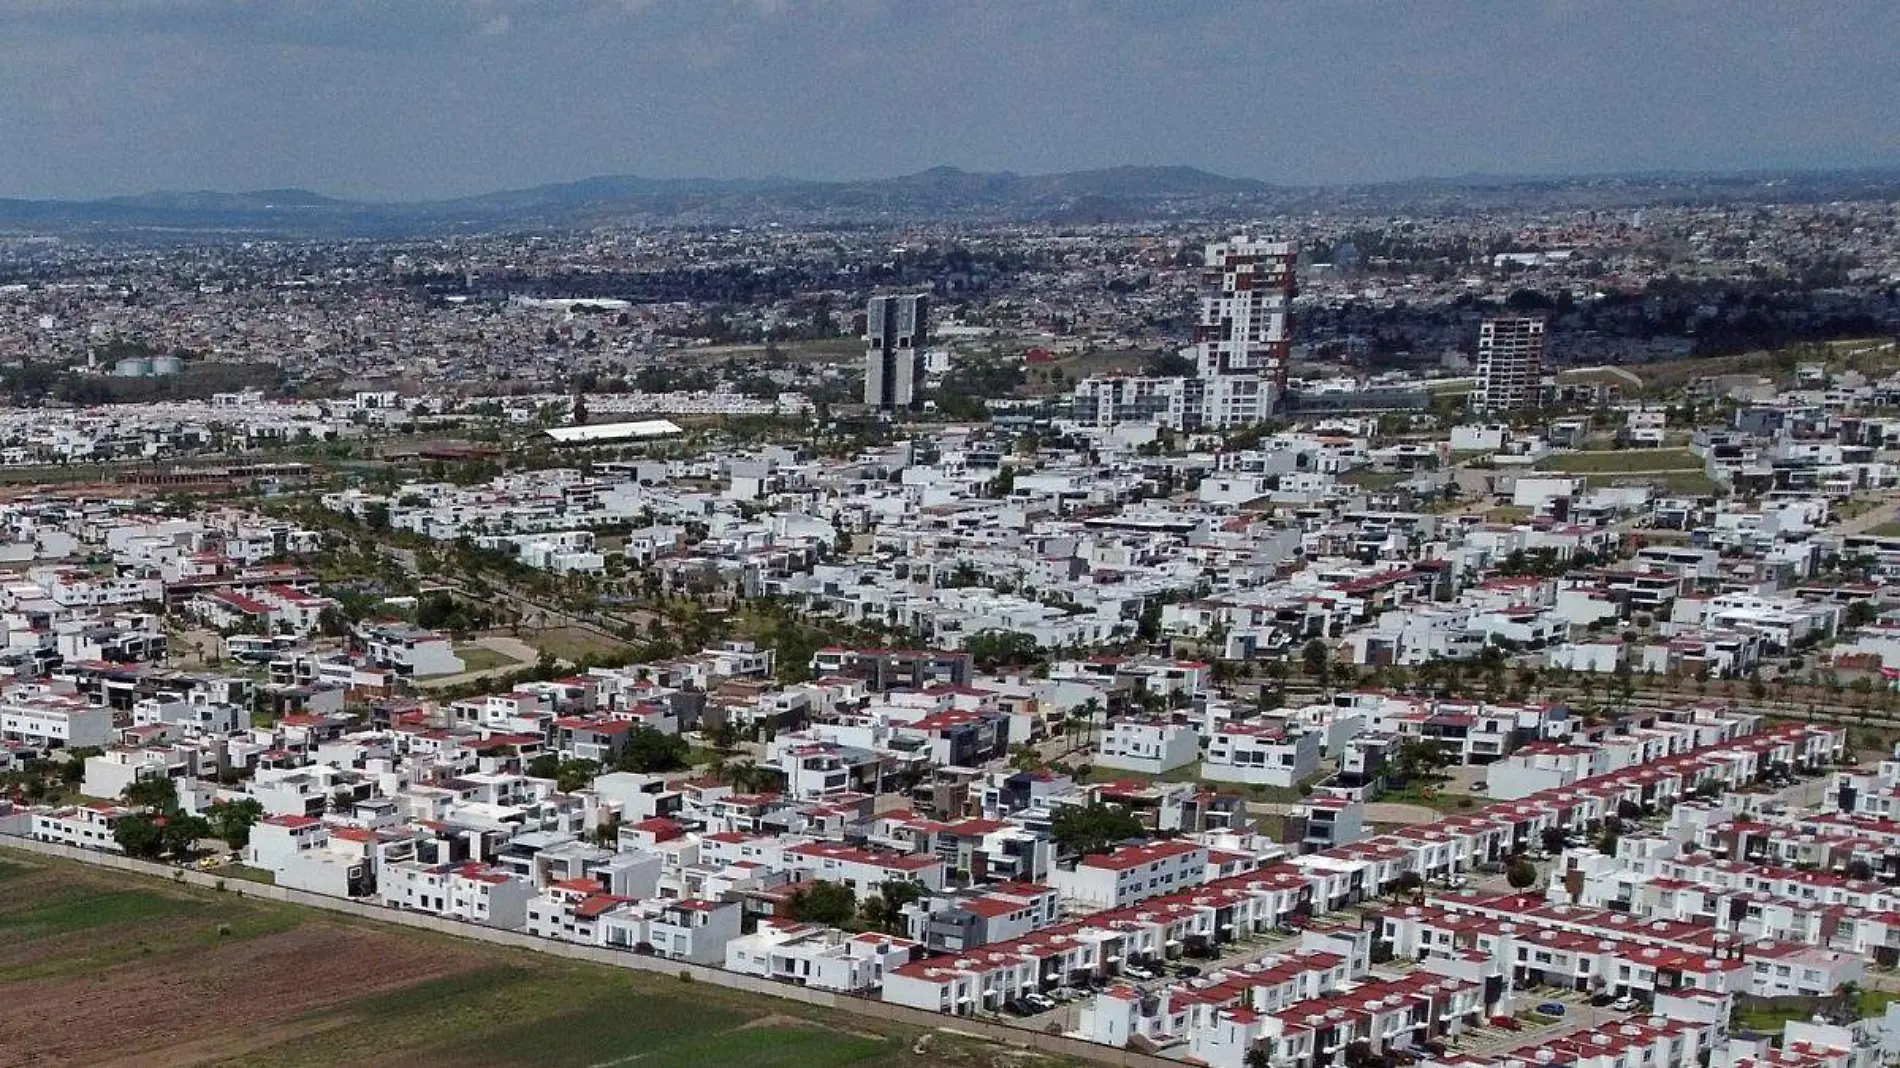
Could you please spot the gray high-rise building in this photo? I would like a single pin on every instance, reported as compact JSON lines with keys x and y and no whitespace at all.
{"x":896,"y":329}
{"x":1510,"y":363}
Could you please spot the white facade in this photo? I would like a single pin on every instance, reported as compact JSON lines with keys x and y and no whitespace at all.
{"x":1263,"y":756}
{"x":1131,"y":874}
{"x":1148,"y":748}
{"x":51,"y":721}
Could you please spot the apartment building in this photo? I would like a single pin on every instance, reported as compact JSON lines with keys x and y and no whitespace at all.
{"x":1131,"y":873}
{"x":1150,"y":747}
{"x":1510,"y":362}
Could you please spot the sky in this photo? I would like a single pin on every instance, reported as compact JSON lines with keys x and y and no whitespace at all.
{"x":418,"y":99}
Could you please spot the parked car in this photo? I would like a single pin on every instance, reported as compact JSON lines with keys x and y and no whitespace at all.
{"x":1602,"y":999}
{"x":1625,"y":1004}
{"x":1479,"y":787}
{"x":1506,"y":1023}
{"x":1016,"y":1007}
{"x":1136,"y":971}
{"x":1188,"y":971}
{"x":1551,"y":1008}
{"x":1038,"y":1002}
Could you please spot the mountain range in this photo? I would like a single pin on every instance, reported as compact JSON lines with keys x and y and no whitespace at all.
{"x":1115,"y":194}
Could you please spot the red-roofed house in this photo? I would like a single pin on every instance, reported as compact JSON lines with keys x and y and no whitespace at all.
{"x":1132,"y":873}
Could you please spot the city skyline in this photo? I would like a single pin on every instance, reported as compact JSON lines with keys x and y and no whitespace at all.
{"x":438,"y":100}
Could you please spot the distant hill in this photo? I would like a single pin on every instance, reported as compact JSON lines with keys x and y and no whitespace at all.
{"x":1113,"y":194}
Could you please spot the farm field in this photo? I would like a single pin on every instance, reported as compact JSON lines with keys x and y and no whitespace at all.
{"x":103,"y":967}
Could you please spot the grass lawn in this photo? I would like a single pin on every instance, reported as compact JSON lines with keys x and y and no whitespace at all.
{"x":1616,"y":461}
{"x":1374,"y":480}
{"x":1184,"y":773}
{"x":246,"y":873}
{"x":102,"y":965}
{"x":1767,"y":1020}
{"x":1889,"y":529}
{"x":1690,"y":482}
{"x":571,"y":643}
{"x":1430,"y":797}
{"x":1870,"y":1002}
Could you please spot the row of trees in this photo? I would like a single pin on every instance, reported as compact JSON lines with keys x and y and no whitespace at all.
{"x":163,"y":827}
{"x":837,"y":905}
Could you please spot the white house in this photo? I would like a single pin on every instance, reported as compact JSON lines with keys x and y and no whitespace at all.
{"x":1262,"y":754}
{"x":1132,"y":873}
{"x":1148,"y":747}
{"x":470,"y":892}
{"x":818,"y":956}
{"x":47,"y":720}
{"x":296,"y":851}
{"x":89,"y":825}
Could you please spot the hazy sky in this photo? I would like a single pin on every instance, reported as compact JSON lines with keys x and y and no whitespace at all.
{"x":404,"y":99}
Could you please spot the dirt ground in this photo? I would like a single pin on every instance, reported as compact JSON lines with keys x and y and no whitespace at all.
{"x":182,"y":1009}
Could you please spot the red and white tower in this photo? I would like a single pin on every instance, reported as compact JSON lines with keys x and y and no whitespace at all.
{"x":1245,"y":332}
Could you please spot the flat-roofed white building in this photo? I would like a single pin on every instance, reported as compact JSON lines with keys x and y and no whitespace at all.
{"x":1148,"y":747}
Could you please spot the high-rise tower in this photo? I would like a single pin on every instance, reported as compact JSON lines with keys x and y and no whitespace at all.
{"x":1510,"y":362}
{"x":896,"y":329}
{"x":1244,"y":336}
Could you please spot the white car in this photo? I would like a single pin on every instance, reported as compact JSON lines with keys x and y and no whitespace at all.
{"x":1137,"y":972}
{"x":1625,"y":1004}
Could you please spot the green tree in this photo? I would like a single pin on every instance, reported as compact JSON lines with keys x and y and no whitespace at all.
{"x":73,"y":771}
{"x":1025,"y":758}
{"x":159,"y":794}
{"x":569,"y":775}
{"x":139,"y":836}
{"x":1522,"y":874}
{"x":233,"y":820}
{"x":824,"y":902}
{"x":650,"y":751}
{"x":1093,"y":828}
{"x":1319,"y":660}
{"x":884,"y":910}
{"x":181,"y":832}
{"x":992,"y":649}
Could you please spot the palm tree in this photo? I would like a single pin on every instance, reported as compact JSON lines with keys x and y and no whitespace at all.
{"x":743,"y":775}
{"x":1090,"y":713}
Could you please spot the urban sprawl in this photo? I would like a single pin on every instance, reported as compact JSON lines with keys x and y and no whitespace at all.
{"x":1465,"y":641}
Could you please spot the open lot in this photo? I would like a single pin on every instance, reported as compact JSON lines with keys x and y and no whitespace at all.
{"x":570,"y":644}
{"x":1624,"y":460}
{"x":105,"y":968}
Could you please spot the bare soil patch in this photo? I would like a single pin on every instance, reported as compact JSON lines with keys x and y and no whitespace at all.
{"x":191,"y":1008}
